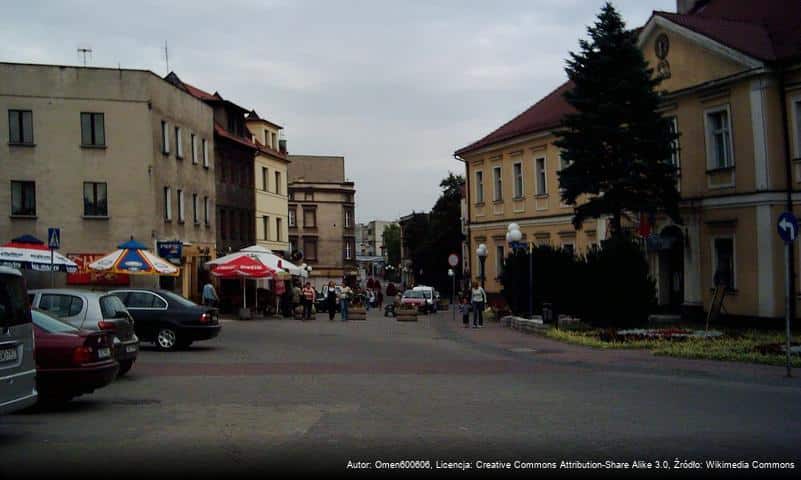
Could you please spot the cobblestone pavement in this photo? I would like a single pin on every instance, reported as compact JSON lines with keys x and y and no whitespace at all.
{"x":313,"y":395}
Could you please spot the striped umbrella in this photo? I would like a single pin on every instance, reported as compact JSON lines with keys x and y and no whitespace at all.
{"x":133,"y":258}
{"x":30,"y":253}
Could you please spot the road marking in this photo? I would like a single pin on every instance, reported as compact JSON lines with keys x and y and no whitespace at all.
{"x":522,"y":350}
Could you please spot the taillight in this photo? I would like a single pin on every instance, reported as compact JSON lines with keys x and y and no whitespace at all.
{"x":81,"y":355}
{"x":104,"y":325}
{"x":205,"y":317}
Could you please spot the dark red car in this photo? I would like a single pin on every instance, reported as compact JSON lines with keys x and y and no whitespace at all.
{"x":69,"y":361}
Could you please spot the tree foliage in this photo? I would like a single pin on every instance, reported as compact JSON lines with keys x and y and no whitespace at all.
{"x":391,"y":239}
{"x":616,"y":144}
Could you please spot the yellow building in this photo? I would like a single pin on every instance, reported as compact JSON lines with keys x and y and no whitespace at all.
{"x":272,"y":222}
{"x":729,"y":68}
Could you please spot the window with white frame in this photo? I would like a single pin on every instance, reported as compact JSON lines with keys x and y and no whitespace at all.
{"x":179,"y":144}
{"x":724,"y":267}
{"x":479,"y":187}
{"x":167,"y":203}
{"x":539,"y":171}
{"x":718,"y":139}
{"x":205,"y":144}
{"x":195,"y":209}
{"x":181,"y":205}
{"x":348,"y":250}
{"x":206,"y":208}
{"x":497,"y":181}
{"x":193,"y":142}
{"x":165,"y":138}
{"x":292,"y":220}
{"x":673,"y":126}
{"x":517,"y":170}
{"x":499,"y":257}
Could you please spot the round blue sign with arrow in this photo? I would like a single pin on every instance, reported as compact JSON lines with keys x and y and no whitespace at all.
{"x":788,"y":227}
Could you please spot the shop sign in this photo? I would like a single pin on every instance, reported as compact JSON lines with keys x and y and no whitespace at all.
{"x":170,"y":250}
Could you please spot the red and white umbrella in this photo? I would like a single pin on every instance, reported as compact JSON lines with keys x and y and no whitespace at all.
{"x":242,"y":267}
{"x":30,"y":253}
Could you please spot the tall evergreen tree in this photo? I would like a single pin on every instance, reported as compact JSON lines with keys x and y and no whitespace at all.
{"x":616,"y":145}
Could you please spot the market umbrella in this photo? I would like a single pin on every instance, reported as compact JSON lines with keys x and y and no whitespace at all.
{"x":133,"y":258}
{"x":30,"y":253}
{"x":265,"y":256}
{"x":242,"y":267}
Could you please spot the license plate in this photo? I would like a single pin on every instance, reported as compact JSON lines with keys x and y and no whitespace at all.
{"x":8,"y":354}
{"x":103,"y":352}
{"x":130,"y":348}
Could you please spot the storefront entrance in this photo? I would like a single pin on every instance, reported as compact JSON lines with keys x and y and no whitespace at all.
{"x":671,"y":268}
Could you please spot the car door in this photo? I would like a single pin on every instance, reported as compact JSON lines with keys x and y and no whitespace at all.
{"x":17,"y":368}
{"x":146,"y":308}
{"x":66,"y":307}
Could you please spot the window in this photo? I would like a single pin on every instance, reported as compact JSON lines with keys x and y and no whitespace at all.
{"x":499,"y":257}
{"x":518,"y":178}
{"x":718,"y":139}
{"x":205,"y":153}
{"x":93,"y":130}
{"x":497,"y":181}
{"x":167,"y":203}
{"x":277,"y":229}
{"x":181,"y":206}
{"x":569,"y":247}
{"x":144,"y":300}
{"x":206,"y":210}
{"x":278,"y":183}
{"x":179,"y":145}
{"x":20,"y":127}
{"x":95,"y":201}
{"x":309,"y":218}
{"x":274,"y":141}
{"x":264,"y":177}
{"x":267,"y":139}
{"x":673,"y":126}
{"x":23,"y":198}
{"x":308,"y":196}
{"x":195,"y":210}
{"x":542,"y":183}
{"x":165,"y":138}
{"x":292,"y":219}
{"x":193,"y":144}
{"x":348,"y":218}
{"x":265,"y":227}
{"x":724,"y":271}
{"x":479,"y":187}
{"x":348,"y":250}
{"x":310,"y":248}
{"x":293,"y":244}
{"x":61,"y":306}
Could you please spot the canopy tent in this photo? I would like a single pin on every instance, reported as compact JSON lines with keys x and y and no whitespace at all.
{"x":243,"y":267}
{"x":29,"y":253}
{"x":265,"y":256}
{"x":133,"y":258}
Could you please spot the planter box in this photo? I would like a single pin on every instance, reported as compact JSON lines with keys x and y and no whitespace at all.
{"x":357,"y":313}
{"x":406,"y":315}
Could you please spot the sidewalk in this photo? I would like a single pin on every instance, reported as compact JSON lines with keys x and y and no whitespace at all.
{"x":541,"y":349}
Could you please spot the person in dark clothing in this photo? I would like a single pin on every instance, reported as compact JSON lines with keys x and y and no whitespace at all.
{"x":331,"y":301}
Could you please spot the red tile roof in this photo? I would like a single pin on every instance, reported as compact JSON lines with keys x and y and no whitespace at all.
{"x":222,"y":132}
{"x":543,"y":115}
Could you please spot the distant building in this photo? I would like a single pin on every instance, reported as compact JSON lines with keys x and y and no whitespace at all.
{"x":272,"y":193}
{"x":375,"y":237}
{"x":361,"y":239}
{"x":106,"y":154}
{"x":322,"y":222}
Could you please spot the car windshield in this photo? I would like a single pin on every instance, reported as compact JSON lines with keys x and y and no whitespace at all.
{"x":413,"y":294}
{"x":51,"y":324}
{"x":174,"y":297}
{"x":110,"y":305}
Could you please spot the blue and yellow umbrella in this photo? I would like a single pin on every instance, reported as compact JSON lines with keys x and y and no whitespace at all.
{"x":133,"y":258}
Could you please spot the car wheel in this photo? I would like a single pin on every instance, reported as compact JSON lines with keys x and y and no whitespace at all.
{"x":125,"y":366}
{"x":166,"y":339}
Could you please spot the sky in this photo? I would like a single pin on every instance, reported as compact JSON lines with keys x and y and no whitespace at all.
{"x":394,"y":86}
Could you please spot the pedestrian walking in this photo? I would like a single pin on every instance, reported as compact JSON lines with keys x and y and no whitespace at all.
{"x":331,"y":301}
{"x":296,"y":296}
{"x":478,"y":299}
{"x":308,"y":300}
{"x":210,"y":298}
{"x":464,"y":309}
{"x":344,"y":300}
{"x":380,"y":299}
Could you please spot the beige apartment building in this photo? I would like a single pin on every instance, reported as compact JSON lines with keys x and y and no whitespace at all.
{"x":322,"y":217}
{"x":272,"y":193}
{"x":729,"y":68}
{"x":106,"y":154}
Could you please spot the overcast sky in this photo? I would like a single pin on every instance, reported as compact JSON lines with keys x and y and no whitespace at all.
{"x":394,"y":86}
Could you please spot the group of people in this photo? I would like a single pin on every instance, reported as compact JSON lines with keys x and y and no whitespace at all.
{"x":474,"y":300}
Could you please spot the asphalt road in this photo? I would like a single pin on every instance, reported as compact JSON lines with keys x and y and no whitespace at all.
{"x":290,"y":395}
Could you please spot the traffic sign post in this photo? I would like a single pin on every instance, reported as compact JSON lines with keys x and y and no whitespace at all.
{"x":453,"y":261}
{"x":788,"y":231}
{"x":54,"y":243}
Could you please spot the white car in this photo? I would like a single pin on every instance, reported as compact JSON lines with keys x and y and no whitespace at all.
{"x":430,"y":295}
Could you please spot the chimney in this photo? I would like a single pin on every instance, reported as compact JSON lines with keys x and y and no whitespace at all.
{"x":687,"y":6}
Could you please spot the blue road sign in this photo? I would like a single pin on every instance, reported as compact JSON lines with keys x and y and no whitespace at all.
{"x":54,"y":238}
{"x":788,"y":227}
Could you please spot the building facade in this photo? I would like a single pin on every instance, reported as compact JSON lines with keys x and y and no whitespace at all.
{"x":272,"y":194}
{"x":732,"y":81}
{"x":321,"y":217}
{"x":83,"y":150}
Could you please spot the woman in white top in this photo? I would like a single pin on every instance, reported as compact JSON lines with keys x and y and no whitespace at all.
{"x":478,"y":298}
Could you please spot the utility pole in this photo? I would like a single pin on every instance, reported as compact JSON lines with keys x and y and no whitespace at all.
{"x":167,"y":56}
{"x":83,"y":51}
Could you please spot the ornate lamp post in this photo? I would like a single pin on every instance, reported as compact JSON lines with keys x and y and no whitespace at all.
{"x":481,"y":251}
{"x":514,"y":237}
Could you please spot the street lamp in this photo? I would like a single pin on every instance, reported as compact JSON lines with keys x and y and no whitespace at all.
{"x":481,"y":251}
{"x":513,"y":238}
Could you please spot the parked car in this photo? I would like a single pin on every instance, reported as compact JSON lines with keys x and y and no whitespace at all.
{"x":17,"y":367}
{"x":168,"y":319}
{"x":69,"y":361}
{"x":431,"y":295}
{"x":416,"y":298}
{"x":93,"y":311}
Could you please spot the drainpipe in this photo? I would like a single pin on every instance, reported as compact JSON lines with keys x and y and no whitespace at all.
{"x":467,"y":220}
{"x":788,"y":172}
